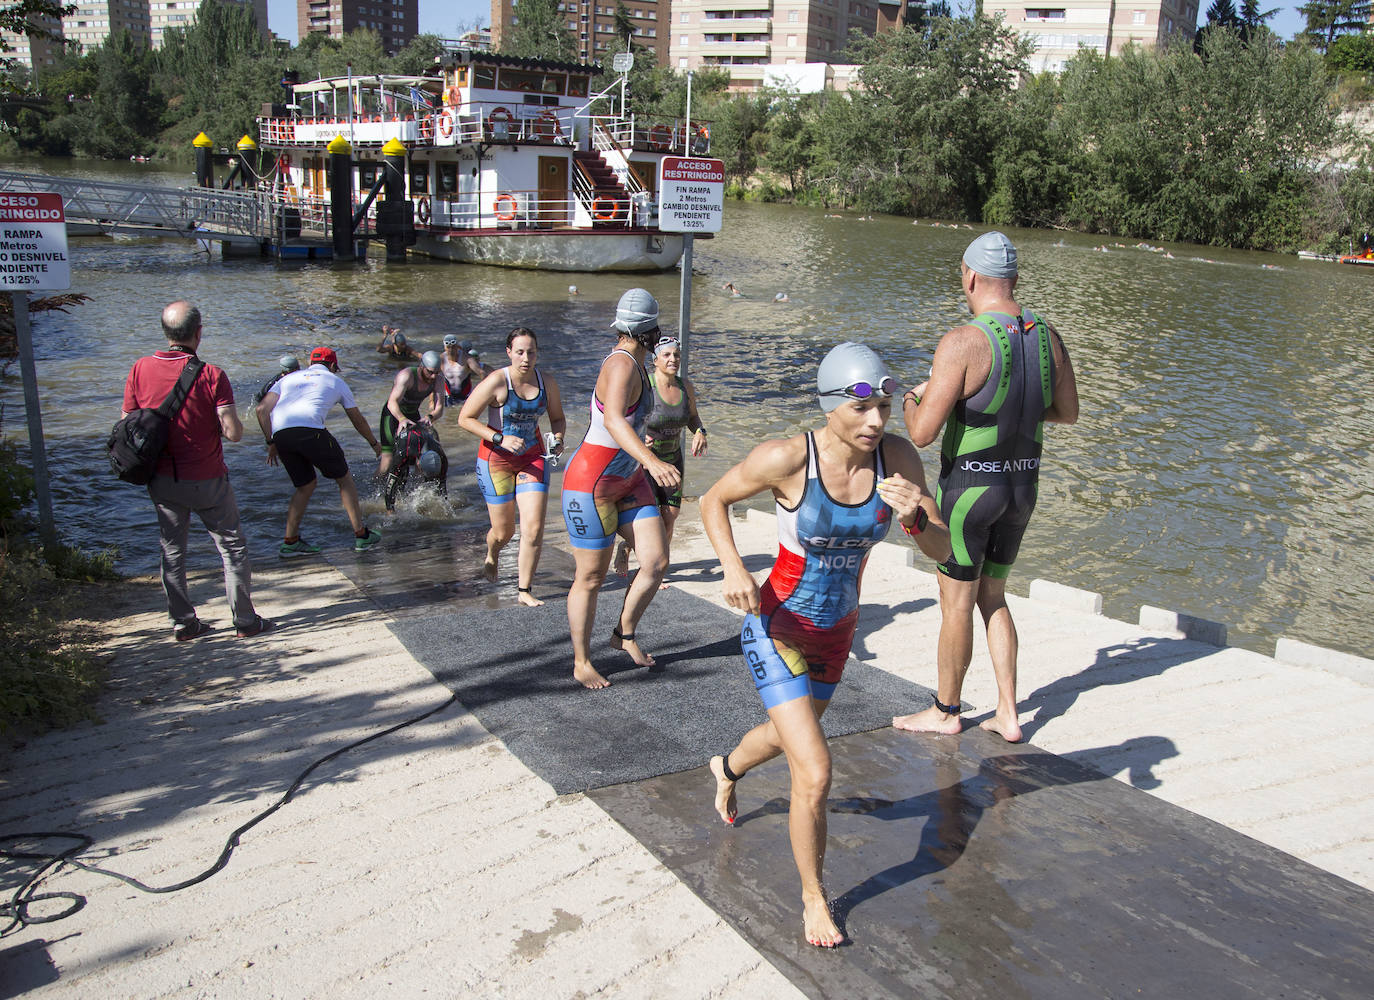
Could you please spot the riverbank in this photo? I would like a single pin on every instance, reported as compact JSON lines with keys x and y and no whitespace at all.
{"x":435,"y":860}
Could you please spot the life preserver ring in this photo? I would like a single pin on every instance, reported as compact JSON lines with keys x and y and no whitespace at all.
{"x":426,"y":127}
{"x":283,"y":161}
{"x":453,"y":96}
{"x":444,"y":122}
{"x":499,"y":115}
{"x":661,"y":137}
{"x":605,"y":209}
{"x":703,"y":136}
{"x":496,"y":207}
{"x":546,"y":126}
{"x":422,"y":210}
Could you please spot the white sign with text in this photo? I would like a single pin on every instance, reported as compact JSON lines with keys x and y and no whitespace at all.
{"x":691,"y":194}
{"x":33,"y":242}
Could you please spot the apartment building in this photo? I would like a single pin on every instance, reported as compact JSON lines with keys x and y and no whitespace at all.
{"x":592,"y":23}
{"x":745,"y":36}
{"x":1060,"y":27}
{"x":95,"y":20}
{"x":397,"y":21}
{"x":31,"y":52}
{"x":164,"y":14}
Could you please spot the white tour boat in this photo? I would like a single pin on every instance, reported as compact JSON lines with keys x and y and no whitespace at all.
{"x":509,"y":161}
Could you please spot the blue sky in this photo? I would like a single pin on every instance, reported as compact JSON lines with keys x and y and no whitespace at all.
{"x":444,"y":17}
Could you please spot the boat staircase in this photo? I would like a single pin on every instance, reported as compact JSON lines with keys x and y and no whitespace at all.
{"x":248,"y":221}
{"x":609,"y":200}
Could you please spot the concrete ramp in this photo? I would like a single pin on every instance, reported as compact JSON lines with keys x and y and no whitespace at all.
{"x":965,"y":867}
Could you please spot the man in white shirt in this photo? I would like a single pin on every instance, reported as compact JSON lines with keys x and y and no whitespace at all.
{"x":291,"y":416}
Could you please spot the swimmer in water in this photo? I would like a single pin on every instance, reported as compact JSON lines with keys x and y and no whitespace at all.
{"x":837,"y":489}
{"x":510,"y":459}
{"x":781,"y":297}
{"x":393,"y":345}
{"x":606,"y":490}
{"x":735,"y":293}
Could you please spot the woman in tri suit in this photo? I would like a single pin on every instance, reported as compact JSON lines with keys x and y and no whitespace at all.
{"x":510,"y":459}
{"x":606,"y":490}
{"x":837,"y":490}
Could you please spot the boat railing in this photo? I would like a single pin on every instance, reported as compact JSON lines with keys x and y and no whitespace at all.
{"x":504,"y":210}
{"x":483,"y":121}
{"x":658,"y":134}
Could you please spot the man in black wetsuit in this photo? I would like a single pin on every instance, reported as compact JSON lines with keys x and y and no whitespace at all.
{"x":410,"y":391}
{"x":993,"y":385}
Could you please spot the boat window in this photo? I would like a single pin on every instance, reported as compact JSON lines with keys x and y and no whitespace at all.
{"x":522,"y":80}
{"x":367,"y":176}
{"x":484,"y":76}
{"x":460,"y":76}
{"x":577,"y":86}
{"x":419,"y":178}
{"x":447,"y":177}
{"x":554,"y":83}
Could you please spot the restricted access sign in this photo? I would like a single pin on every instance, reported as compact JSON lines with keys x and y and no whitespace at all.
{"x":691,"y":194}
{"x":33,"y":242}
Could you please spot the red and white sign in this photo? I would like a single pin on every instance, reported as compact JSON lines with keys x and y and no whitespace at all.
{"x":33,"y":242}
{"x":691,"y":194}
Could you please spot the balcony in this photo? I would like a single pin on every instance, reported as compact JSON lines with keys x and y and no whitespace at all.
{"x":736,"y":48}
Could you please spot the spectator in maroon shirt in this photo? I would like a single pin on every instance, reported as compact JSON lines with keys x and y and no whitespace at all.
{"x":191,"y":475}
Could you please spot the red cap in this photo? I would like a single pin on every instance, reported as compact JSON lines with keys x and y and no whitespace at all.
{"x":324,"y":356}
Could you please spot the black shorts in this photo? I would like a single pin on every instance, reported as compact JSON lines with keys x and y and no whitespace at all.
{"x":986,"y":525}
{"x":302,"y":450}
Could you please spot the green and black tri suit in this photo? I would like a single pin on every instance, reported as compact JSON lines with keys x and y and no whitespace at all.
{"x":409,"y":404}
{"x":990,"y":456}
{"x":664,"y":431}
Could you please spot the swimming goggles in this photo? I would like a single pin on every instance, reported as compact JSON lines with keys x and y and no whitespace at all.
{"x":865,"y":390}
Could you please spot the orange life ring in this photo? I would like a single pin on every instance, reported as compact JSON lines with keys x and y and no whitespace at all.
{"x":444,"y":122}
{"x":284,"y":161}
{"x":603,"y":214}
{"x":426,"y":127}
{"x":499,"y":115}
{"x":422,"y":210}
{"x":496,"y":207}
{"x":453,"y":96}
{"x":661,"y":137}
{"x":546,"y":126}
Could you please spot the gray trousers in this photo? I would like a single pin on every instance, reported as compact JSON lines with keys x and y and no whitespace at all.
{"x":212,"y":500}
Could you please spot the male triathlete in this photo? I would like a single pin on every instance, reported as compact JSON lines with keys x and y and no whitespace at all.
{"x":993,"y":385}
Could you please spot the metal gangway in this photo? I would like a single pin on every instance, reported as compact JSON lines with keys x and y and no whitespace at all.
{"x":261,"y":219}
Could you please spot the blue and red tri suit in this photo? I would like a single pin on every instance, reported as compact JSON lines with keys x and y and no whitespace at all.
{"x":809,"y":606}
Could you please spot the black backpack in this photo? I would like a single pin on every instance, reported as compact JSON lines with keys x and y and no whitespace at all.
{"x":138,"y":440}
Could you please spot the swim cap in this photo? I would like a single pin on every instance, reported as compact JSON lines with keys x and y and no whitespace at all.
{"x":431,"y":464}
{"x":992,"y":256}
{"x":450,"y":339}
{"x":400,"y":339}
{"x":431,"y":360}
{"x":666,"y":344}
{"x":846,"y":365}
{"x":289,"y":363}
{"x":636,"y":312}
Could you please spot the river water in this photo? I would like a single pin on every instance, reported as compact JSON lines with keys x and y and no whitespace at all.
{"x":1220,"y":467}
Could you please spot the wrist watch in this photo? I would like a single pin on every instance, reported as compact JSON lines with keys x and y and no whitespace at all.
{"x":497,"y":438}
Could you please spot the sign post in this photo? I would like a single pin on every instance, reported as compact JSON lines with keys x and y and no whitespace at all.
{"x":33,"y":255}
{"x":691,"y":199}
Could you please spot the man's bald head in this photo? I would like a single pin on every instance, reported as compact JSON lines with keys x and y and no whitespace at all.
{"x":181,"y":323}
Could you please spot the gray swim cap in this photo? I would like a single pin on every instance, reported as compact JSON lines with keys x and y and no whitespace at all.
{"x":636,"y":312}
{"x":450,"y":339}
{"x":992,"y":256}
{"x":666,"y":344}
{"x":289,"y":363}
{"x":400,"y":338}
{"x":431,"y":360}
{"x":431,"y":464}
{"x":846,"y":370}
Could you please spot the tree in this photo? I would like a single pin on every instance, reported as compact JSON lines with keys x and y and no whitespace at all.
{"x":27,"y":17}
{"x":540,"y":32}
{"x":1328,"y":18}
{"x":123,"y":113}
{"x":1352,"y":53}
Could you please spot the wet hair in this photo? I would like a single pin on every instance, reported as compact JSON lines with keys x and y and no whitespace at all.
{"x":180,"y":322}
{"x":645,"y":338}
{"x":521,"y":331}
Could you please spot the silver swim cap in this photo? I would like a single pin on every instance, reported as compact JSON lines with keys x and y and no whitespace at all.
{"x":431,"y":360}
{"x":400,"y":338}
{"x":636,"y":312}
{"x":852,"y":371}
{"x":992,"y":256}
{"x":430,"y":463}
{"x":665,"y":345}
{"x":289,"y":363}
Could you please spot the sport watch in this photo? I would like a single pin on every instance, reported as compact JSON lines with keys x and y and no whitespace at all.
{"x":497,"y":438}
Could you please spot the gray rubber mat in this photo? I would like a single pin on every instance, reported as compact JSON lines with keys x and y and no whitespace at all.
{"x":512,"y":668}
{"x":964,"y":867}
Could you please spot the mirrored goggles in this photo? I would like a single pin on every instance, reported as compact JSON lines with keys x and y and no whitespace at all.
{"x":865,"y":390}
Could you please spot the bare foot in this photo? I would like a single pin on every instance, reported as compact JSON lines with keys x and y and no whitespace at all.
{"x":587,"y":675}
{"x":932,"y":720}
{"x":725,"y":791}
{"x":528,"y":599}
{"x":489,"y":569}
{"x":630,"y":646}
{"x":664,"y":585}
{"x":820,"y":926}
{"x":622,"y":560}
{"x":1009,"y":727}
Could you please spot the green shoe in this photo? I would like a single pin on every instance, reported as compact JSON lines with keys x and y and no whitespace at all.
{"x":300,"y":547}
{"x":363,"y":544}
